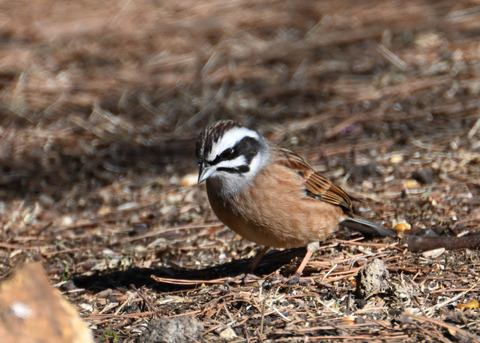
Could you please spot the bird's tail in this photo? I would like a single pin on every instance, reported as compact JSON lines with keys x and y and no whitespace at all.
{"x":367,"y":228}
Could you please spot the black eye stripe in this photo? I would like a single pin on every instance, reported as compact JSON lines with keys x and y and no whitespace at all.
{"x":247,"y":147}
{"x":226,"y":155}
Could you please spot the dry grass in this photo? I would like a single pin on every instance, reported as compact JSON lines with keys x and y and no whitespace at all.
{"x":100,"y":107}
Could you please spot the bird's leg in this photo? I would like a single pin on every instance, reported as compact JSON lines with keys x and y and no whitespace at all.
{"x":256,"y":260}
{"x":248,"y":275}
{"x":311,"y":248}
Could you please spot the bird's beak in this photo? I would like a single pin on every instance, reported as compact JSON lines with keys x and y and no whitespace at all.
{"x":205,"y":172}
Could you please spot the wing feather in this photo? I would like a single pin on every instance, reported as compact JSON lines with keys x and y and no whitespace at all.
{"x":316,"y":185}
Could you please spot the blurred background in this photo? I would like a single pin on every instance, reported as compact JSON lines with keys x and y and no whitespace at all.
{"x":91,"y":92}
{"x":101,"y":104}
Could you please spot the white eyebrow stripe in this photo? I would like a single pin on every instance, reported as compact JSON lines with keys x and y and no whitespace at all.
{"x":229,"y":140}
{"x":237,"y":162}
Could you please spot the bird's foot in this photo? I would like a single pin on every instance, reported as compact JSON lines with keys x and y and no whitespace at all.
{"x":296,"y":279}
{"x":276,"y":279}
{"x":243,"y":279}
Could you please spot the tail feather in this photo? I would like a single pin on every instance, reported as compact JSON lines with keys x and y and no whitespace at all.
{"x":367,"y":228}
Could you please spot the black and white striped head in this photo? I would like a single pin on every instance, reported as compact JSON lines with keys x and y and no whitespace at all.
{"x":231,"y":154}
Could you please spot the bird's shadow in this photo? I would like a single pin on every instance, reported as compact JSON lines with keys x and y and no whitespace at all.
{"x":139,"y":277}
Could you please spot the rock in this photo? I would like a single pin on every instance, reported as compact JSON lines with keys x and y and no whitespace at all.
{"x":32,"y":311}
{"x":228,"y":334}
{"x":424,"y":176}
{"x":359,"y":173}
{"x":172,"y":330}
{"x":372,"y":279}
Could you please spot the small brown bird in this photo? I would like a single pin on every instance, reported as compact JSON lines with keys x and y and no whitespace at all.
{"x":271,"y":195}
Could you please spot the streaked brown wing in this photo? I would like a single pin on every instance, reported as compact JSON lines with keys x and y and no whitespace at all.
{"x":316,"y":185}
{"x":321,"y":187}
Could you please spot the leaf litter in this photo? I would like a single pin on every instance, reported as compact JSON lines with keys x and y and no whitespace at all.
{"x":101,"y":105}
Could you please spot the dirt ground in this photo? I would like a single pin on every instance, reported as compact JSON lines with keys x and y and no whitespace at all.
{"x":100,"y":107}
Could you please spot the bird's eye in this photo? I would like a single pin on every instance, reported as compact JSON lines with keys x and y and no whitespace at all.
{"x":227,"y":154}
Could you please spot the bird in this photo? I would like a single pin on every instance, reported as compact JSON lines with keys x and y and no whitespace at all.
{"x":271,"y":195}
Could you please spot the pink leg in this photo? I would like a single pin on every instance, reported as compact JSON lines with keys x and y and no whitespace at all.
{"x":257,"y":259}
{"x":311,"y":248}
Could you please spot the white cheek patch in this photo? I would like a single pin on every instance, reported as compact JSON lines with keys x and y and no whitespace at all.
{"x":229,"y":140}
{"x":257,"y":164}
{"x":233,"y":183}
{"x":237,"y":162}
